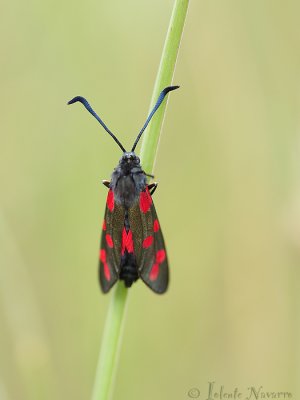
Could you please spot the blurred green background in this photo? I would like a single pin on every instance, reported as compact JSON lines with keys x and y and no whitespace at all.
{"x":228,"y":198}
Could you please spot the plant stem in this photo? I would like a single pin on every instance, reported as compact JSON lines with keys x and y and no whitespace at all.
{"x":164,"y":78}
{"x":111,"y":340}
{"x":113,"y":326}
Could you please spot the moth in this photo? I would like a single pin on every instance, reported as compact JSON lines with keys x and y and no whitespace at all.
{"x":132,"y":244}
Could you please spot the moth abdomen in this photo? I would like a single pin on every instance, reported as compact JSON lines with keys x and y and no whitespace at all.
{"x":128,"y":269}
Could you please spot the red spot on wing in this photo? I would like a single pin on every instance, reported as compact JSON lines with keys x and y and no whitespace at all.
{"x":145,"y":200}
{"x":127,"y":241}
{"x":106,"y":272}
{"x":110,"y":200}
{"x":104,"y":225}
{"x":109,"y":240}
{"x":147,"y":242}
{"x":102,"y":256}
{"x":156,"y":225}
{"x":154,"y":272}
{"x":160,"y":256}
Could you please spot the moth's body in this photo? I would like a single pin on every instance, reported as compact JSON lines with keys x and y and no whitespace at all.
{"x":127,"y":181}
{"x":132,"y":244}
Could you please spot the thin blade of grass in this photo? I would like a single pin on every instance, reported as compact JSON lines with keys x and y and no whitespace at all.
{"x":111,"y":340}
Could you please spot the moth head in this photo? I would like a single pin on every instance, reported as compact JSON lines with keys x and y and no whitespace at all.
{"x":130,"y":158}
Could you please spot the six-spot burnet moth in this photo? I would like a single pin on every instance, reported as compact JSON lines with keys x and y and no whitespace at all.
{"x":132,"y":244}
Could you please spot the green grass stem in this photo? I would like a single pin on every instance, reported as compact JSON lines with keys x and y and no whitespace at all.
{"x":111,"y":340}
{"x":164,"y":78}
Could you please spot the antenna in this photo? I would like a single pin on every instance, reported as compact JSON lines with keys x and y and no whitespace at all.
{"x":158,"y":103}
{"x":86,"y":104}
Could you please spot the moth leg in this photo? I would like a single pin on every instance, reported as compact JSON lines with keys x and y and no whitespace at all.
{"x":143,"y":172}
{"x":152,"y":187}
{"x":106,"y":183}
{"x":149,"y":175}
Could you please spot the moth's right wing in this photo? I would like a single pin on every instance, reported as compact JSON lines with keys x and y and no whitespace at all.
{"x":149,"y":246}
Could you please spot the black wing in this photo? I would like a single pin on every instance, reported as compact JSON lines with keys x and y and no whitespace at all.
{"x":110,"y":247}
{"x":149,"y":246}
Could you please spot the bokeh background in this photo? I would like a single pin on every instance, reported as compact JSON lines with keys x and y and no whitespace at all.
{"x":228,"y":168}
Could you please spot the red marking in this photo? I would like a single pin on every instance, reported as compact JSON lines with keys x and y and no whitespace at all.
{"x":145,"y":200}
{"x":102,"y":256}
{"x":156,"y":226}
{"x":147,"y":242}
{"x":109,"y":240}
{"x":106,"y":272}
{"x":160,"y":256}
{"x":127,"y":241}
{"x":110,"y":200}
{"x":104,"y":225}
{"x":154,"y":272}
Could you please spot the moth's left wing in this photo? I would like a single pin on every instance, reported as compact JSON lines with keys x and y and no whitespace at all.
{"x":110,"y":246}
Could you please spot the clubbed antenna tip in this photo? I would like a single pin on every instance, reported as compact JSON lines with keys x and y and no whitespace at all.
{"x":157,"y":104}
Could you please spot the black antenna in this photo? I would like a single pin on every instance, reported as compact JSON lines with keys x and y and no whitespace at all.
{"x":86,"y":104}
{"x":158,"y":103}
